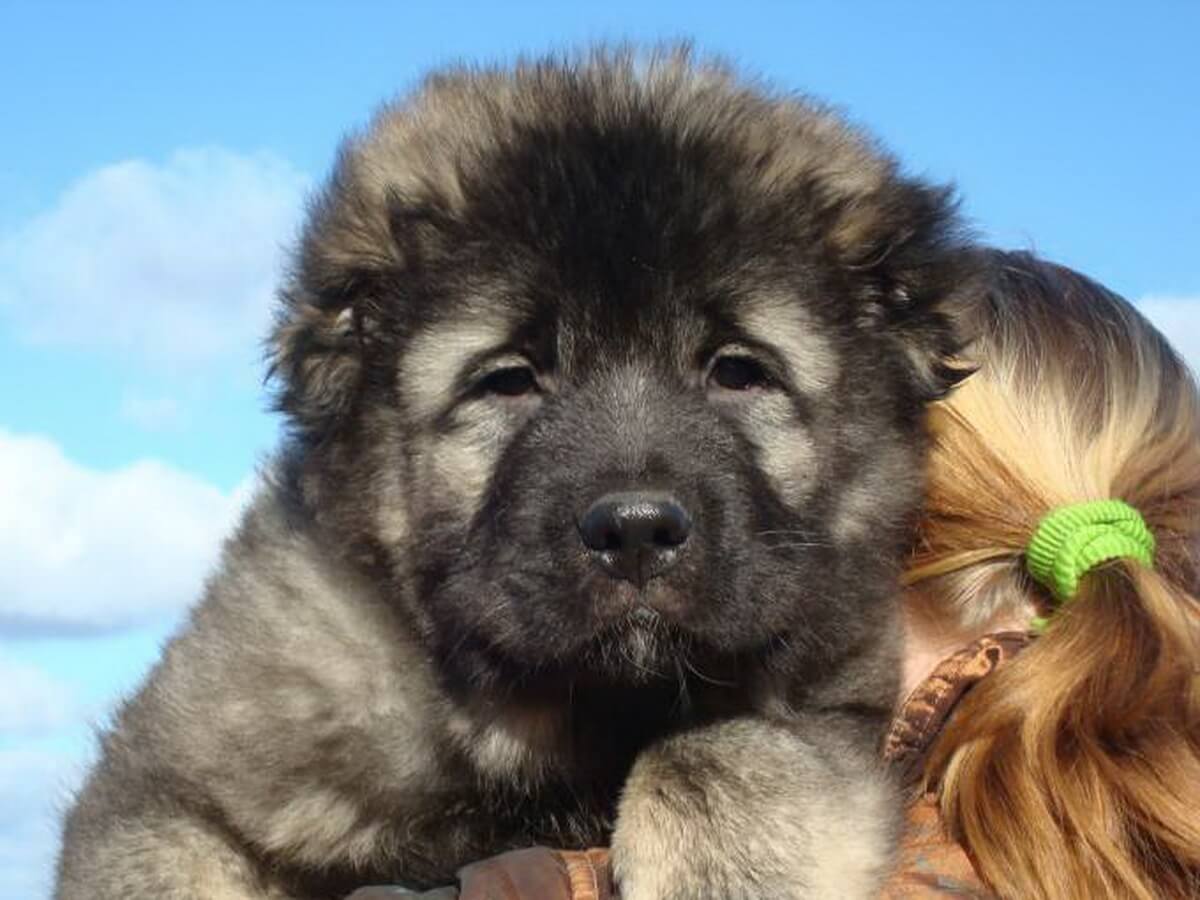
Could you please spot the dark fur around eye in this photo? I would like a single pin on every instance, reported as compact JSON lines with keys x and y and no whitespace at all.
{"x":511,"y":381}
{"x":738,"y":373}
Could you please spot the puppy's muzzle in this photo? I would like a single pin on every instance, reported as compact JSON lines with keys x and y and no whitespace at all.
{"x":635,"y":535}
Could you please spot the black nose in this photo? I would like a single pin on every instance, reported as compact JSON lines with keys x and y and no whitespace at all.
{"x":635,"y":535}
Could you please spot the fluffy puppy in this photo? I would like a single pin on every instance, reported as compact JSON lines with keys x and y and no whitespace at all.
{"x":606,"y":382}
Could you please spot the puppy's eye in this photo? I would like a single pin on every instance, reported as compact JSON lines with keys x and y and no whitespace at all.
{"x":511,"y":381}
{"x":738,"y":373}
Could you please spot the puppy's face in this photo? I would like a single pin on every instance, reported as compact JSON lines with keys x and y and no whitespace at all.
{"x":619,"y":399}
{"x":608,"y":473}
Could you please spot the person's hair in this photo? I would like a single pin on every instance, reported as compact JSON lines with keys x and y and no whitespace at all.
{"x":1074,"y":770}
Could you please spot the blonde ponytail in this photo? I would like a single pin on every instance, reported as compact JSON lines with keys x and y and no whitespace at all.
{"x":1073,"y":771}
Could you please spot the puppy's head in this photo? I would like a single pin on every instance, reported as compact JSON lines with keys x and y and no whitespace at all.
{"x":619,"y":363}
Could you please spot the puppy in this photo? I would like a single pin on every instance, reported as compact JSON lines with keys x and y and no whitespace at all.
{"x":605,"y":381}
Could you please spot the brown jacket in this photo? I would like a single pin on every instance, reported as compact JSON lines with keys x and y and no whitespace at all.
{"x":930,"y":863}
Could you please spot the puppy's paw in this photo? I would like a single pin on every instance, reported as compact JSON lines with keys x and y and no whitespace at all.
{"x":679,"y":838}
{"x":747,"y":811}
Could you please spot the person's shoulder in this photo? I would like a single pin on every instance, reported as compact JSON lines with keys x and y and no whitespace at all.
{"x":931,"y":862}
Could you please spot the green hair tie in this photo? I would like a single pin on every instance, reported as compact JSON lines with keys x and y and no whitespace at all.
{"x":1072,"y":540}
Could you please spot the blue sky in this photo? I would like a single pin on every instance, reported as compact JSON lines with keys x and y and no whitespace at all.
{"x":154,"y":166}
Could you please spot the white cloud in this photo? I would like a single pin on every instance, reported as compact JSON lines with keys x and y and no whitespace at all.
{"x":85,"y":549}
{"x":1179,"y":319}
{"x":174,"y":262}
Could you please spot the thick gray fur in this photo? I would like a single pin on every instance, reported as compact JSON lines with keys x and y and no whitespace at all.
{"x":519,"y":289}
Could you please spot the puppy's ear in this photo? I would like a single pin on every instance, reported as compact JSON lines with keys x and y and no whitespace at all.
{"x":315,"y":353}
{"x":315,"y":350}
{"x":362,"y":244}
{"x":920,"y":277}
{"x":933,"y":339}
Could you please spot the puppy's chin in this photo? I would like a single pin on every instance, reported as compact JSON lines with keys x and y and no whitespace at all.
{"x":617,"y":635}
{"x":637,"y":647}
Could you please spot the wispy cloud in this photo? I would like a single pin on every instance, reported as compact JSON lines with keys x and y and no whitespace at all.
{"x":1177,"y":317}
{"x":85,"y":550}
{"x":34,"y":787}
{"x":33,"y":701}
{"x":173,"y":262}
{"x":151,"y":411}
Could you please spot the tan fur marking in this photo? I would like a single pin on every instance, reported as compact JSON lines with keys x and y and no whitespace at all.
{"x":317,"y":825}
{"x":859,"y":502}
{"x":789,"y":459}
{"x":436,"y":357}
{"x":520,"y":743}
{"x":784,"y":324}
